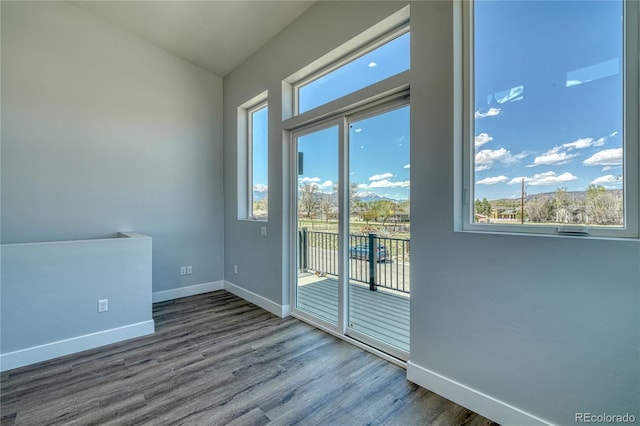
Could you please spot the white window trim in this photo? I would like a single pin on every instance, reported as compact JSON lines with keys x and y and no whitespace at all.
{"x":631,"y":145}
{"x":245,"y":156}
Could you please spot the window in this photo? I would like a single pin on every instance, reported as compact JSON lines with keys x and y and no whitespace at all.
{"x":386,"y":57}
{"x":253,"y":147}
{"x":552,"y":110}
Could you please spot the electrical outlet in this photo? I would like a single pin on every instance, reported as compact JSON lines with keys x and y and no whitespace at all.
{"x":103,"y":305}
{"x":183,"y":270}
{"x":189,"y":270}
{"x":235,"y":269}
{"x":263,"y":231}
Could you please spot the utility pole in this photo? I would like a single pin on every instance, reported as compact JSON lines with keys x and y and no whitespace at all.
{"x":522,"y":203}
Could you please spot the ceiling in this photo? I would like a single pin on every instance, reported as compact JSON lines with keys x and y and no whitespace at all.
{"x":215,"y":35}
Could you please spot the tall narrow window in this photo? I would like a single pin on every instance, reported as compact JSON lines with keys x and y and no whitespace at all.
{"x":550,"y":144}
{"x":259,"y":160}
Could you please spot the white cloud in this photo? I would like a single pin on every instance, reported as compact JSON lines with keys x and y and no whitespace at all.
{"x":372,"y":64}
{"x":547,"y":178}
{"x":613,"y":134}
{"x":607,"y":179}
{"x":385,"y":183}
{"x":358,"y":130}
{"x":381,"y":176}
{"x":260,"y":187}
{"x":608,"y":168}
{"x":492,"y":180}
{"x":327,"y":184}
{"x":309,"y":180}
{"x":490,"y":113}
{"x":606,"y":157}
{"x":407,"y":166}
{"x":551,"y":157}
{"x":487,"y":157}
{"x":561,"y":154}
{"x":482,"y":139}
{"x":584,"y":143}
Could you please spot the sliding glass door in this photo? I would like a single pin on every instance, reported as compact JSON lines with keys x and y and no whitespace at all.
{"x":379,"y":228}
{"x":318,"y":205}
{"x":352,"y":240}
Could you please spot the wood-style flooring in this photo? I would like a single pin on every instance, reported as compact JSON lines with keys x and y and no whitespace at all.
{"x":216,"y":359}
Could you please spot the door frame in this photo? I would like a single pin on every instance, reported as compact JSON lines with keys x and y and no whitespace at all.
{"x":338,"y":122}
{"x":342,"y":120}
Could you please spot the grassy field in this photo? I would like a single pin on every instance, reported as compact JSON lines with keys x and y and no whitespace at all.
{"x":389,"y":230}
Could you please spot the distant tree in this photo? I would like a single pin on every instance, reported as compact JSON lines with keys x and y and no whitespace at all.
{"x":561,"y":198}
{"x":483,"y":207}
{"x":404,"y":206}
{"x":309,"y":199}
{"x":326,"y":203}
{"x":540,"y":210}
{"x":261,"y":206}
{"x":384,"y":209}
{"x":594,"y":191}
{"x":507,"y":203}
{"x":369,"y":214}
{"x":354,"y":198}
{"x":603,"y":207}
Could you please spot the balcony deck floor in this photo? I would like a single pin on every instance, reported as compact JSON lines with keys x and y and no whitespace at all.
{"x":382,"y":314}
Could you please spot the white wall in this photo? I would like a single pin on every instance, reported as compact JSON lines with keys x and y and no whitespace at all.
{"x":102,"y":132}
{"x":518,"y":328}
{"x":50,"y":293}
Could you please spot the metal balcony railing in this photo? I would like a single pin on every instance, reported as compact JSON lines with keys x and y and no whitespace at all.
{"x":377,"y":261}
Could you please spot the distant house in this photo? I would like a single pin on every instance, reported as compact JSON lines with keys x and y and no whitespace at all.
{"x":400,"y":216}
{"x":480,"y":218}
{"x":504,"y":213}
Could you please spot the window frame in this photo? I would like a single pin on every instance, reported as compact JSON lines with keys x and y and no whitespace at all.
{"x":630,"y":144}
{"x":345,"y":59}
{"x":245,"y":156}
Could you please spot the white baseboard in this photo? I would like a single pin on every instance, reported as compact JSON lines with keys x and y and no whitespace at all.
{"x":192,"y":290}
{"x":483,"y":404}
{"x":279,"y":310}
{"x":52,"y":350}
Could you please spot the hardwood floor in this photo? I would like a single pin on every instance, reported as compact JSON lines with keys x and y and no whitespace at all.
{"x":216,"y":359}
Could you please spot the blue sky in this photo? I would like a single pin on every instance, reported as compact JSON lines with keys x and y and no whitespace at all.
{"x":548,"y":99}
{"x":378,"y":156}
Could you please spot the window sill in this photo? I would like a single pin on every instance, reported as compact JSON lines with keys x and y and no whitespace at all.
{"x":254,"y":219}
{"x":593,"y":235}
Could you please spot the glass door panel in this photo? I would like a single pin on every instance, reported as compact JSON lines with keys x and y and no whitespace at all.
{"x":379,"y":230}
{"x":318,"y":205}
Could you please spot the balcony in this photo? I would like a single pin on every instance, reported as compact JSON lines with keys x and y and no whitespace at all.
{"x":379,"y":288}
